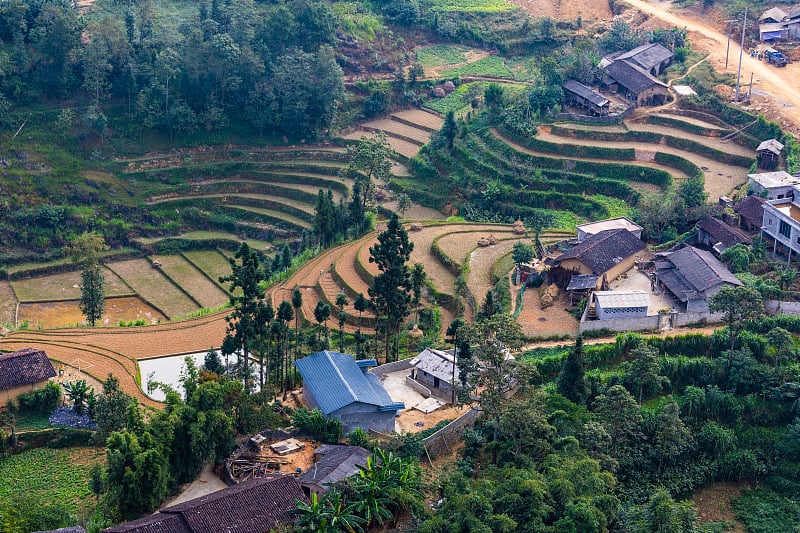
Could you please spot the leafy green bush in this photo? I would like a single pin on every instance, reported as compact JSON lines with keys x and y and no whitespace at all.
{"x":42,"y":401}
{"x":327,"y":430}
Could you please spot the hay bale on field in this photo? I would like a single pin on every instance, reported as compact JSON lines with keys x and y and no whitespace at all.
{"x":416,"y":226}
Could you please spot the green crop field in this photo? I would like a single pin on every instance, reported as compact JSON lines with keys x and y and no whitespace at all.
{"x":493,"y":66}
{"x":187,"y":276}
{"x":151,"y":285}
{"x":441,"y":54}
{"x":203,"y":235}
{"x":212,"y":262}
{"x":49,"y":476}
{"x":471,"y":6}
{"x":455,"y":101}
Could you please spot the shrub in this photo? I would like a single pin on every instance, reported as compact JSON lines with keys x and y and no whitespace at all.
{"x":41,"y":401}
{"x":327,"y":430}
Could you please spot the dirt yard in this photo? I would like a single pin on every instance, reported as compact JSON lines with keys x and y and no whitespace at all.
{"x":538,"y":322}
{"x":713,"y":504}
{"x":567,"y":10}
{"x":8,"y":304}
{"x":65,"y":314}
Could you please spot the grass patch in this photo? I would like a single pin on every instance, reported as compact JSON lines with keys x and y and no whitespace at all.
{"x":502,"y":267}
{"x":458,"y":101}
{"x":493,"y":66}
{"x":764,"y":511}
{"x":202,"y":289}
{"x":32,"y":421}
{"x":213,"y":263}
{"x":202,"y":235}
{"x":24,"y":267}
{"x":441,"y":54}
{"x":64,"y":287}
{"x":49,"y":476}
{"x":616,"y":207}
{"x":151,"y":285}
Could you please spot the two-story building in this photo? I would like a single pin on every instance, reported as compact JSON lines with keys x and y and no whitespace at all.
{"x":782,"y":223}
{"x":772,"y":185}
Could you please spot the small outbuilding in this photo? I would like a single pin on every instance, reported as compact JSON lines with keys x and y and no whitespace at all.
{"x":333,"y":463}
{"x":621,"y":304}
{"x":343,"y":388}
{"x":751,"y":213}
{"x":717,"y":235}
{"x":769,"y":153}
{"x":772,"y":185}
{"x":433,"y":369}
{"x":693,"y":276}
{"x":578,"y":94}
{"x":23,"y":371}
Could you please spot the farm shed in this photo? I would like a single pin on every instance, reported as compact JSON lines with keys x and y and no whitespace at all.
{"x":769,"y":153}
{"x":652,"y":58}
{"x":621,"y":304}
{"x":23,"y":371}
{"x":606,"y":254}
{"x":772,"y":185}
{"x":261,"y":504}
{"x":434,"y":370}
{"x":580,"y":285}
{"x":792,"y":23}
{"x":693,"y":276}
{"x":592,"y":228}
{"x":637,"y":84}
{"x":579,"y":94}
{"x":769,"y":31}
{"x":333,"y":463}
{"x":719,"y":236}
{"x":772,"y":15}
{"x":751,"y":213}
{"x":343,"y":388}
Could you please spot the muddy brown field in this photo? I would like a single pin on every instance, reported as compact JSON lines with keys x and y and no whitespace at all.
{"x":64,"y":314}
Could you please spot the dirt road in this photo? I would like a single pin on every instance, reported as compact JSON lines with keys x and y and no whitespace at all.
{"x":780,"y":84}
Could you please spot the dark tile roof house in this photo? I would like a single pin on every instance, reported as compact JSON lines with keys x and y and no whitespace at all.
{"x":24,"y":367}
{"x":751,"y":211}
{"x":334,"y":463}
{"x":604,"y":250}
{"x":718,"y":235}
{"x":693,"y":276}
{"x":343,"y":388}
{"x":587,"y":93}
{"x":649,"y":57}
{"x":254,"y":506}
{"x":632,"y":77}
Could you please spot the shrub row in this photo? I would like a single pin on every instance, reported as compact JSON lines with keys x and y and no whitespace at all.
{"x":443,"y":258}
{"x":577,"y":150}
{"x":212,"y":203}
{"x":269,"y":189}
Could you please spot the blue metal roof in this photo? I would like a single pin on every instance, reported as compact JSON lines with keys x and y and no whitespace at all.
{"x":336,"y":380}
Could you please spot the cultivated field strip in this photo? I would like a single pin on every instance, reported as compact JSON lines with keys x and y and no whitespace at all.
{"x":236,"y":185}
{"x":401,"y":146}
{"x":65,"y":286}
{"x":156,"y":290}
{"x":419,"y":119}
{"x":193,"y":281}
{"x":398,"y":129}
{"x":294,"y":208}
{"x":261,"y":214}
{"x":212,"y":263}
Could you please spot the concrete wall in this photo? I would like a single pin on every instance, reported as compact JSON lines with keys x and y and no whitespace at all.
{"x":786,"y":308}
{"x":310,"y":400}
{"x":444,"y":390}
{"x":11,"y":394}
{"x":391,"y":367}
{"x":364,"y":416}
{"x":621,"y":324}
{"x":441,"y":441}
{"x":417,"y":386}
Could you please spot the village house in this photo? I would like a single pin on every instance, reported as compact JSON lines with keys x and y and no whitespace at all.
{"x":772,"y":185}
{"x":23,"y":371}
{"x":719,"y":236}
{"x":261,"y":504}
{"x":781,"y":222}
{"x":652,"y":58}
{"x":433,"y":369}
{"x":692,"y":276}
{"x":592,"y":228}
{"x":606,"y":254}
{"x":578,"y":94}
{"x":343,"y":388}
{"x":771,"y":24}
{"x":333,"y":463}
{"x":792,"y":23}
{"x":751,"y":213}
{"x":633,"y":73}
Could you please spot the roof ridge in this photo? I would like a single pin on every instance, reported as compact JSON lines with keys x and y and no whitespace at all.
{"x":329,"y":355}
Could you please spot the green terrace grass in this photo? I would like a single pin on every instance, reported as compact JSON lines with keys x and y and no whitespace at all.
{"x":212,"y":262}
{"x":32,"y":421}
{"x":185,"y":274}
{"x":492,"y":66}
{"x":455,"y":101}
{"x":470,"y":6}
{"x":441,"y":54}
{"x":49,"y":476}
{"x":154,"y":287}
{"x":765,"y":511}
{"x":522,"y":69}
{"x":616,"y":207}
{"x":22,"y":267}
{"x":203,"y":235}
{"x":356,"y":19}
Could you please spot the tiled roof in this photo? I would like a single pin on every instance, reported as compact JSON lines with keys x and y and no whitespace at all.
{"x":585,"y":92}
{"x":335,"y":464}
{"x":777,"y":14}
{"x":647,"y":56}
{"x":336,"y":380}
{"x":436,"y":363}
{"x":721,"y":232}
{"x":631,"y":76}
{"x":694,"y":272}
{"x":752,"y":209}
{"x":24,"y":368}
{"x":602,"y":251}
{"x":252,"y":506}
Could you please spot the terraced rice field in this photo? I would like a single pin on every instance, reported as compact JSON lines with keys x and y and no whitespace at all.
{"x":406,"y":131}
{"x":193,"y":281}
{"x":62,"y":314}
{"x":211,"y":262}
{"x":64,"y":286}
{"x":157,"y":290}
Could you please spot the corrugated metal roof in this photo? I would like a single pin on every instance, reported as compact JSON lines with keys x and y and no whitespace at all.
{"x":632,"y":298}
{"x":777,"y":14}
{"x":436,"y":363}
{"x":591,"y":228}
{"x":647,"y":56}
{"x":772,"y":145}
{"x":779,"y":178}
{"x":24,"y":367}
{"x":582,"y":281}
{"x":335,"y":380}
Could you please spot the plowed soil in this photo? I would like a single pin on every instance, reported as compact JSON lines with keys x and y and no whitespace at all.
{"x":65,"y":314}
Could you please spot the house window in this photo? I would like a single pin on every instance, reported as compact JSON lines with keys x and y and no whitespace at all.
{"x":785,"y":229}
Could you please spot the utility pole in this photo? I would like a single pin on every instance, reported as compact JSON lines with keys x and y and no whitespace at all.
{"x":728,"y":49}
{"x":741,"y":53}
